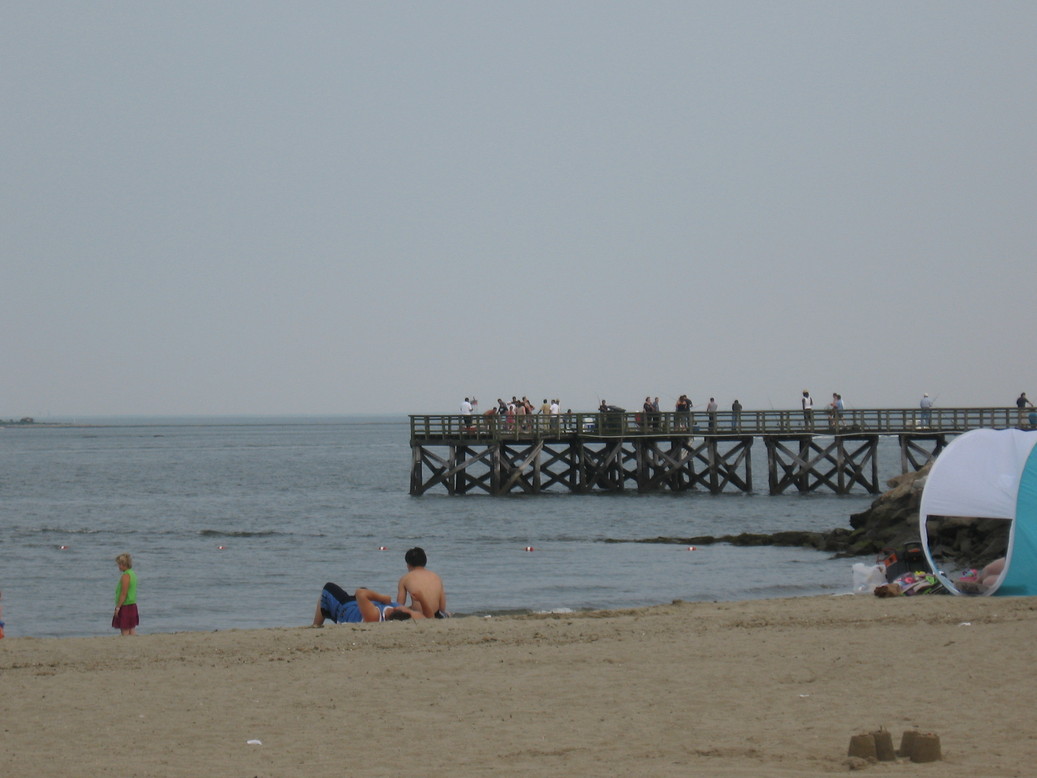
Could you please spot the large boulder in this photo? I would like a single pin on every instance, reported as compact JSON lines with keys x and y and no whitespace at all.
{"x":892,"y":519}
{"x":890,"y":523}
{"x":967,"y":541}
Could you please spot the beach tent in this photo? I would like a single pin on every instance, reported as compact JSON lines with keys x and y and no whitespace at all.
{"x":989,"y":474}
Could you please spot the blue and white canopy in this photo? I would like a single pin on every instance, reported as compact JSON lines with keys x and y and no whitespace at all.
{"x":989,"y":474}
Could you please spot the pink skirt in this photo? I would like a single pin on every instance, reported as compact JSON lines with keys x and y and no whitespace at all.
{"x":126,"y":618}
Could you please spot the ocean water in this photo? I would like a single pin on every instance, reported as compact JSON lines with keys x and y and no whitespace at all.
{"x":237,"y":523}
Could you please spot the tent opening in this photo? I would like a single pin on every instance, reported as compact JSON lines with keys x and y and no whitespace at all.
{"x":967,"y":552}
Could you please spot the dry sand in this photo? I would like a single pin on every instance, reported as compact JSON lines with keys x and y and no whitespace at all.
{"x":758,"y":688}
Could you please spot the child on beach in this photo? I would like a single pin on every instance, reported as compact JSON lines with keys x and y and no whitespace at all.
{"x":1,"y":616}
{"x":126,"y":618}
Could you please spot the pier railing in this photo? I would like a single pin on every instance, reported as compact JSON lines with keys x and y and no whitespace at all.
{"x":875,"y":421}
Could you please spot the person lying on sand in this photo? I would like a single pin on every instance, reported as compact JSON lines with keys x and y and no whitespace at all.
{"x":341,"y":607}
{"x":977,"y":582}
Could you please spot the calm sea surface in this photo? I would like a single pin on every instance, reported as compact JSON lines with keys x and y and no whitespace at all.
{"x":238,"y":523}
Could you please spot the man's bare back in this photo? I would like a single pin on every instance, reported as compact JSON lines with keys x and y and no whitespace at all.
{"x":424,"y":587}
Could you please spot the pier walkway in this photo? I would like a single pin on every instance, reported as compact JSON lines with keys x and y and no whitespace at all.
{"x":669,"y":451}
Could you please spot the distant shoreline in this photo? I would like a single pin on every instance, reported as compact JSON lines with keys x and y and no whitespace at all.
{"x":203,"y":421}
{"x":28,"y":425}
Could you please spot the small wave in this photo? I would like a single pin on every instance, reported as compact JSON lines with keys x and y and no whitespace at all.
{"x":222,"y":533}
{"x":488,"y":613}
{"x":782,"y":590}
{"x":63,"y":531}
{"x":576,"y":539}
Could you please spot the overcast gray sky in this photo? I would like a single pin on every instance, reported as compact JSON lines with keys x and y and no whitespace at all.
{"x":320,"y":208}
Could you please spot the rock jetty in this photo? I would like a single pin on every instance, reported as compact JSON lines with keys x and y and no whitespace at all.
{"x":890,"y":522}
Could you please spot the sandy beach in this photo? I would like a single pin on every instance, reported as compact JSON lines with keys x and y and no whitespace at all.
{"x":764,"y":687}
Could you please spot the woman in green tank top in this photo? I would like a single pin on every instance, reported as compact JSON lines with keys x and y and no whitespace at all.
{"x":126,"y":618}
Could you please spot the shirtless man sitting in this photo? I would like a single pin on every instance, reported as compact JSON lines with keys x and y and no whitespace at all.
{"x":424,"y":587}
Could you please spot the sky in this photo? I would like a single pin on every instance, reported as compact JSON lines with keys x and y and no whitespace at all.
{"x":267,"y":208}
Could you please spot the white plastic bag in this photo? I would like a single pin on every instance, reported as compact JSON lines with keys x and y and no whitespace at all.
{"x":867,"y":577}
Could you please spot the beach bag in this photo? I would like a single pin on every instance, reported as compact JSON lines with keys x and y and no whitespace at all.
{"x":910,"y":559}
{"x":914,"y":556}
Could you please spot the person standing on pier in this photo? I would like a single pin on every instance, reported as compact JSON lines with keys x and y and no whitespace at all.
{"x":466,"y":413}
{"x":1021,"y":402}
{"x":683,"y":409}
{"x":711,"y":412}
{"x":520,"y":415}
{"x":926,"y":404}
{"x":807,"y":404}
{"x":544,"y":412}
{"x":736,"y":415}
{"x":835,"y":410}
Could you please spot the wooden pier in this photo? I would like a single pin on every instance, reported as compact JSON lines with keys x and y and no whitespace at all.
{"x":678,"y":452}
